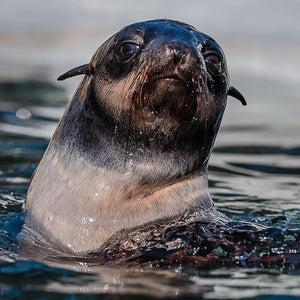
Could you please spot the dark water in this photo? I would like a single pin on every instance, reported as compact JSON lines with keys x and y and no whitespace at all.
{"x":252,"y":178}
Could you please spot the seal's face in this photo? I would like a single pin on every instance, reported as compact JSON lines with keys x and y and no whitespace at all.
{"x":161,"y":83}
{"x":164,"y":76}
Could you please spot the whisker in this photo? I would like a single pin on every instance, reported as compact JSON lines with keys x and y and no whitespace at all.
{"x":203,"y":97}
{"x":133,"y":91}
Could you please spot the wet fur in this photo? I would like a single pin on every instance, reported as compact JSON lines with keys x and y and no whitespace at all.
{"x":121,"y":158}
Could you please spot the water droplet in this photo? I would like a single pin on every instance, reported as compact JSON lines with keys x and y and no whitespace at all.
{"x":242,"y":257}
{"x":87,"y":220}
{"x":23,"y":114}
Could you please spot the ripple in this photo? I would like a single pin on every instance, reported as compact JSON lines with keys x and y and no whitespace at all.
{"x":257,"y":149}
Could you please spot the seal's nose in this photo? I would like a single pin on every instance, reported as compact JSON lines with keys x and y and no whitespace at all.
{"x":178,"y":54}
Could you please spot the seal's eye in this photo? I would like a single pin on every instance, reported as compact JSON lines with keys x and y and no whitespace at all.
{"x":213,"y":63}
{"x":127,"y":51}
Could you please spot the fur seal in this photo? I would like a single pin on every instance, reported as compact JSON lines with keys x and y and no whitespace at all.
{"x":133,"y":145}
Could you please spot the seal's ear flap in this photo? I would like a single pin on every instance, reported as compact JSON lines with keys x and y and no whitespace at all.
{"x":236,"y":94}
{"x":84,"y":69}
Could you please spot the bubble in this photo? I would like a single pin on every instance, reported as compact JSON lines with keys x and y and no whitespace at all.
{"x":23,"y":114}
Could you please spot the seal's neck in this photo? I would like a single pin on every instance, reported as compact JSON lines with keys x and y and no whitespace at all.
{"x":83,"y":205}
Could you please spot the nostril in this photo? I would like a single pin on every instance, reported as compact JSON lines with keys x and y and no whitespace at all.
{"x":178,"y":54}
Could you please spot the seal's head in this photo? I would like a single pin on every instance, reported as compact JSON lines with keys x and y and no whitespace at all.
{"x":134,"y":143}
{"x":164,"y":79}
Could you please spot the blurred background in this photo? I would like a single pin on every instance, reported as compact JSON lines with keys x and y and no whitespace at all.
{"x":261,"y":40}
{"x":44,"y":38}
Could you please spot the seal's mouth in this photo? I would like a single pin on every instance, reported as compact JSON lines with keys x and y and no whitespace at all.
{"x":174,"y":92}
{"x":168,"y":80}
{"x":172,"y":77}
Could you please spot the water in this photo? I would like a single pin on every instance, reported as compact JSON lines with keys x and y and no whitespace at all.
{"x":254,"y":172}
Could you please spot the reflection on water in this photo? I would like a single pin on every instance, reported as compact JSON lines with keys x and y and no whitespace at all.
{"x":249,"y":181}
